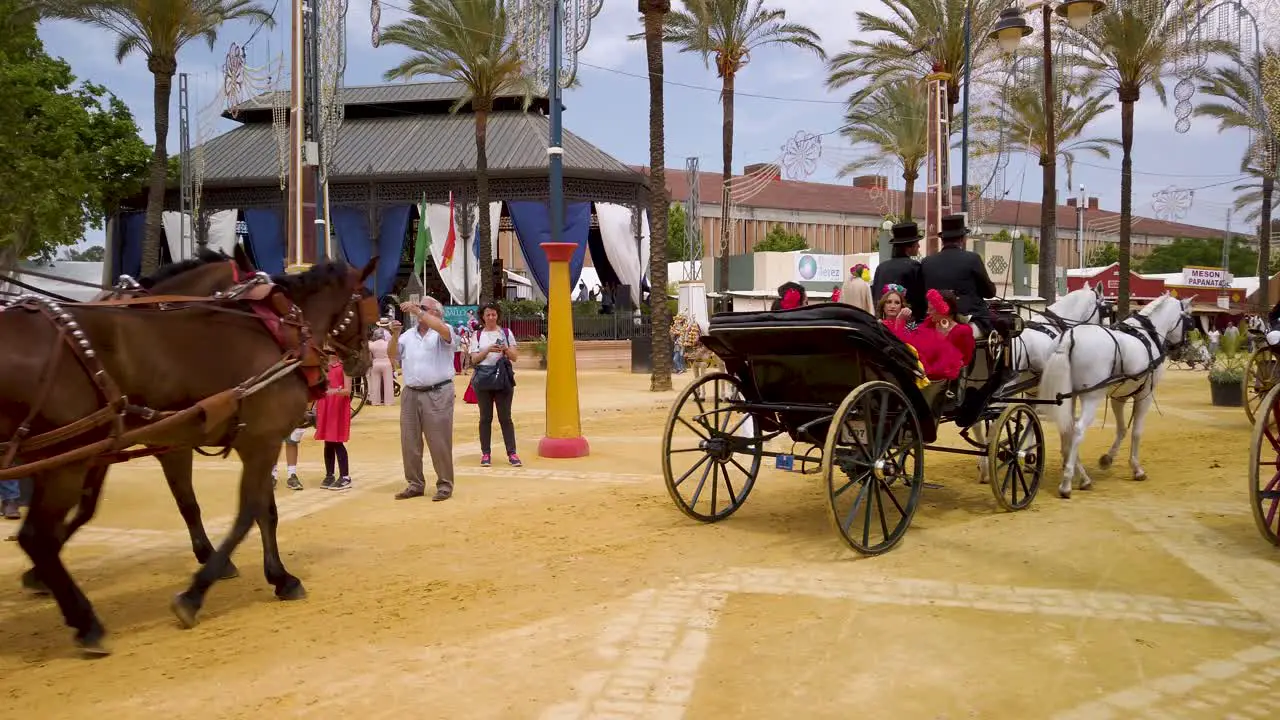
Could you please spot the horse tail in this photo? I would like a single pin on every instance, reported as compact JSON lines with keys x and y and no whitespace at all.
{"x":1055,"y":382}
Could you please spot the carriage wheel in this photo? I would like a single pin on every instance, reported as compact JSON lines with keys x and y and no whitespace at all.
{"x":359,"y":395}
{"x":711,"y":449}
{"x":873,"y":463}
{"x":1260,"y":375}
{"x":1264,"y":470}
{"x":1015,"y":448}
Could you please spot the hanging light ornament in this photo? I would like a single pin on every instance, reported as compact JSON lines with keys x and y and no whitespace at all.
{"x":375,"y":20}
{"x":533,"y":37}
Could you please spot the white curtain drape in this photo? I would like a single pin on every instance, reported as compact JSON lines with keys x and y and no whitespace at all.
{"x":630,"y":263}
{"x":222,"y":232}
{"x":454,"y":279}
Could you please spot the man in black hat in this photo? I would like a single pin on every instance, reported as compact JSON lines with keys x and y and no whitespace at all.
{"x":903,"y":269}
{"x":961,"y":271}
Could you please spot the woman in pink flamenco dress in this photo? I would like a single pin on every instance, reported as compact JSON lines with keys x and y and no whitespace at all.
{"x":943,"y":344}
{"x":333,"y":427}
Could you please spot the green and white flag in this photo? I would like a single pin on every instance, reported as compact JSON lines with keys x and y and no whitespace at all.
{"x":423,"y":244}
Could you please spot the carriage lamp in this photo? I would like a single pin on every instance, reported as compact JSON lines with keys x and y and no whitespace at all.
{"x":1010,"y":29}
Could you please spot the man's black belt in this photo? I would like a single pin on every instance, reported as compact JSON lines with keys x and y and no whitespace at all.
{"x":431,"y":388}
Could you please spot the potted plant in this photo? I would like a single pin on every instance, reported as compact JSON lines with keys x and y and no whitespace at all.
{"x":539,"y":348}
{"x":1226,"y":373}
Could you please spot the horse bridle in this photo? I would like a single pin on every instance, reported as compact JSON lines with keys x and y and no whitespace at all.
{"x":342,"y":338}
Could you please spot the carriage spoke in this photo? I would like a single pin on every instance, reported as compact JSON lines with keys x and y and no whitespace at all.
{"x":728,"y":485}
{"x":692,"y":470}
{"x":695,"y":430}
{"x":1016,"y":450}
{"x":857,"y":500}
{"x":702,"y":482}
{"x":884,"y":524}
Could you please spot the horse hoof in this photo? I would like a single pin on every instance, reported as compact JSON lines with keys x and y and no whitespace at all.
{"x":185,"y":610}
{"x":1140,"y":477}
{"x":32,"y":584}
{"x":1104,"y":462}
{"x":92,"y":649}
{"x":1064,"y":494}
{"x":231,"y":572}
{"x":292,"y":589}
{"x":1086,"y":485}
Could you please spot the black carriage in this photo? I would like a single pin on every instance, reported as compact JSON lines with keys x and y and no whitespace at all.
{"x":832,"y":376}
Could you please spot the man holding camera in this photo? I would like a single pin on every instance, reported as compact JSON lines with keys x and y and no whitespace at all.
{"x":426,"y":351}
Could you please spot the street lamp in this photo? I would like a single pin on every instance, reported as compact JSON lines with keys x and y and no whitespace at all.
{"x":1008,"y":32}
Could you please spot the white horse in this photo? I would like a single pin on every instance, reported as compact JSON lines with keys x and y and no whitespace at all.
{"x":1032,"y":348}
{"x":1123,"y":362}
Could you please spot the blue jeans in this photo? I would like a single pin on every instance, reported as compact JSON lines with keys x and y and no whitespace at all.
{"x":10,"y":490}
{"x":677,"y":358}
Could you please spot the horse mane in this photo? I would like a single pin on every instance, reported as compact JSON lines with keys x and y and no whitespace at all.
{"x":318,"y":277}
{"x":204,"y":256}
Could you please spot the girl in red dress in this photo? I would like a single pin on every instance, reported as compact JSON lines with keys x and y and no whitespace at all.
{"x":333,"y":426}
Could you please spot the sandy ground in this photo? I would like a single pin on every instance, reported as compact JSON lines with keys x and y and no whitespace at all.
{"x":574,"y":589}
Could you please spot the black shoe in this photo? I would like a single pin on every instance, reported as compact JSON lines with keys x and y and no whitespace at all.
{"x":342,"y":483}
{"x":293,"y":483}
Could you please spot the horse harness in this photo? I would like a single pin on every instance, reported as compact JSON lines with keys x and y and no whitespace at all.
{"x":268,"y":302}
{"x":1155,"y":345}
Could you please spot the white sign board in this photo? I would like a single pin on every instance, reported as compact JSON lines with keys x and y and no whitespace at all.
{"x":1205,"y":277}
{"x":819,"y":268}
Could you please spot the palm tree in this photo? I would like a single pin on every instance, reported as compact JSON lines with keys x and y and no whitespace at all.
{"x":158,"y":29}
{"x":1237,"y":89}
{"x":891,"y":123}
{"x":1130,"y":46}
{"x":1019,"y":127}
{"x":466,"y":41}
{"x":655,"y":13}
{"x":923,"y":36}
{"x":730,"y":30}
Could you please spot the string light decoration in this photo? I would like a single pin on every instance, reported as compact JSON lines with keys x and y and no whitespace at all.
{"x":801,"y":154}
{"x":332,"y":70}
{"x":531,"y":19}
{"x":1172,"y":203}
{"x":375,"y":21}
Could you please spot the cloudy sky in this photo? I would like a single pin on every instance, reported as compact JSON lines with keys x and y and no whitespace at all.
{"x":781,"y":93}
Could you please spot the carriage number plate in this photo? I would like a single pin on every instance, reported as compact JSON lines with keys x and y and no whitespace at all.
{"x":852,"y":431}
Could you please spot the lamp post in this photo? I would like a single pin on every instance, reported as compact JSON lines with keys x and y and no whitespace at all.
{"x":1009,"y":31}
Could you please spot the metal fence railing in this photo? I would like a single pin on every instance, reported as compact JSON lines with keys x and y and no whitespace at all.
{"x":585,"y":327}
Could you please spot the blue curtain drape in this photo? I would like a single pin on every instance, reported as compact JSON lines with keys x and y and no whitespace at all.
{"x":127,"y":258}
{"x":532,"y":223}
{"x":395,"y":225}
{"x":266,"y":239}
{"x":351,"y":226}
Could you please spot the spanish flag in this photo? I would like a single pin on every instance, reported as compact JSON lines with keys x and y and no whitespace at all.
{"x":451,"y":240}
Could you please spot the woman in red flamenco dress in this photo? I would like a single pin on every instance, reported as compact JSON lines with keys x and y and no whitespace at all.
{"x":333,"y":426}
{"x":944,"y":344}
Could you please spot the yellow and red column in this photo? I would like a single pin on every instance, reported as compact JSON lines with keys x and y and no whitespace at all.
{"x":564,"y":425}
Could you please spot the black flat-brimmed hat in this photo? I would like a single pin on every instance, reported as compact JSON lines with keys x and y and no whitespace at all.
{"x":953,"y":228}
{"x":905,"y":233}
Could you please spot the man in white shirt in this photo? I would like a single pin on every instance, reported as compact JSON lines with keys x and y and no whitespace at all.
{"x":426,"y":351}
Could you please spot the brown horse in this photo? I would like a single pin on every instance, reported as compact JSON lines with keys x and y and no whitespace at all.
{"x":223,"y":360}
{"x":205,"y":274}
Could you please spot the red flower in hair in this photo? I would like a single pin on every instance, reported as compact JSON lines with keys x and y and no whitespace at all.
{"x":937,"y":303}
{"x":791,"y":299}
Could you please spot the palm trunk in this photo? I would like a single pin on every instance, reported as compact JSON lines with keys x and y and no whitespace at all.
{"x":487,"y":280}
{"x":1048,"y":160}
{"x":659,"y":317}
{"x":1126,"y":198}
{"x":162,"y":69}
{"x":726,"y":98}
{"x":1264,"y":246}
{"x":909,"y":195}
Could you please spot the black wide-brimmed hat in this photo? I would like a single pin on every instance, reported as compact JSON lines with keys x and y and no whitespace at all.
{"x":905,"y":233}
{"x":953,"y":228}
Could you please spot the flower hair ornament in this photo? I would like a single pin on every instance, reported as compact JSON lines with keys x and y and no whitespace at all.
{"x":894,"y":288}
{"x":791,"y":299}
{"x":862,"y":272}
{"x":835,"y":295}
{"x":936,"y":303}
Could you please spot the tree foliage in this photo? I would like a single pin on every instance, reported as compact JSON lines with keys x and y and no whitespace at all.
{"x":1190,"y":252}
{"x":93,"y":253}
{"x":781,"y":239}
{"x":71,"y":153}
{"x":677,"y":246}
{"x":1103,"y":255}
